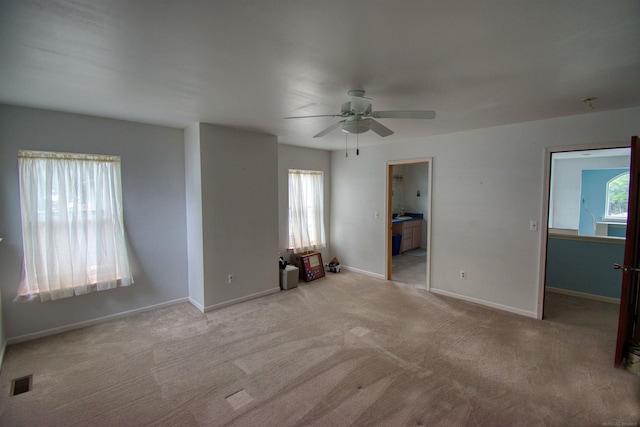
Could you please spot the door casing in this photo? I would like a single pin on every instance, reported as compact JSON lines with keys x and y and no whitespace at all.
{"x":389,"y":212}
{"x":627,"y":319}
{"x":544,"y":226}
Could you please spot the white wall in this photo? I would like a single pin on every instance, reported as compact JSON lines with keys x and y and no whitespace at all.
{"x":193,"y":184}
{"x":397,"y":190}
{"x":239,"y":175}
{"x":416,"y":177}
{"x":565,"y":203}
{"x":154,"y":214}
{"x":290,"y":157}
{"x":487,"y":186}
{"x":3,"y":340}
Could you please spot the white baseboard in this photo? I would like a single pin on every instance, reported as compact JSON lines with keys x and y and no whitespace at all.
{"x":239,"y":300}
{"x":485,"y":303}
{"x":583,"y":295}
{"x":365,"y":272}
{"x":196,"y":304}
{"x":60,"y":329}
{"x":453,"y":295}
{"x":4,"y":348}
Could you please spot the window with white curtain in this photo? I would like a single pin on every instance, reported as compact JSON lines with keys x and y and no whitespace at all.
{"x":72,"y":225}
{"x":306,"y":210}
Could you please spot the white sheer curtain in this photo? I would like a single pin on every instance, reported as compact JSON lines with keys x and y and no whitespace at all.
{"x":306,"y":210}
{"x":72,"y":225}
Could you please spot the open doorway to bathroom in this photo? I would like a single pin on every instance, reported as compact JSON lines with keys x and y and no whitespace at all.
{"x":409,"y":221}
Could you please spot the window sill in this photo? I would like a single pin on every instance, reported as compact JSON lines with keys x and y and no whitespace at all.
{"x":583,"y":238}
{"x":69,"y":292}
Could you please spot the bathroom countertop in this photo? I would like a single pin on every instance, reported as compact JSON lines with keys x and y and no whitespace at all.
{"x":407,"y":217}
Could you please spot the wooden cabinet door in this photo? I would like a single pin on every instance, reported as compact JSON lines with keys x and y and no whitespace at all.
{"x":417,"y":235}
{"x":411,"y":234}
{"x":407,"y":239}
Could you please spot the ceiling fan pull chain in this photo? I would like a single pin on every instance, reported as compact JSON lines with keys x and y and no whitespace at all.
{"x":357,"y":144}
{"x":346,"y":148}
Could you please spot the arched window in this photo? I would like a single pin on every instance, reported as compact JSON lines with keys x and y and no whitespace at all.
{"x":617,"y":197}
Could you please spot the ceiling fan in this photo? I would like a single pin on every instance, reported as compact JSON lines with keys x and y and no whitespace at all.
{"x":359,"y":118}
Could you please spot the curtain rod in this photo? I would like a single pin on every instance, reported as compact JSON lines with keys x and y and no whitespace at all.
{"x":25,"y":154}
{"x":305,"y":172}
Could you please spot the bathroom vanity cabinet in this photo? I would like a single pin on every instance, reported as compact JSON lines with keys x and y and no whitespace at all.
{"x":411,"y":231}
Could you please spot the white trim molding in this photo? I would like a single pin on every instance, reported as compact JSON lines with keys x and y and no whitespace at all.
{"x":2,"y":351}
{"x":239,"y":300}
{"x":610,"y":300}
{"x":196,"y":304}
{"x":96,"y":321}
{"x":365,"y":272}
{"x":507,"y":308}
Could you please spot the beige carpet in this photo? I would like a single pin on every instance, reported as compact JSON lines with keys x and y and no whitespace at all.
{"x":344,"y":350}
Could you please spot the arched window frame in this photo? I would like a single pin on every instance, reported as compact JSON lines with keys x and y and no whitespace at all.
{"x":609,"y":216}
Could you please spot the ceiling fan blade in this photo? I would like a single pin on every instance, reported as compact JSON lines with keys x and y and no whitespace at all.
{"x":404,"y":114}
{"x":309,"y":117}
{"x":329,"y":129}
{"x":380,"y":129}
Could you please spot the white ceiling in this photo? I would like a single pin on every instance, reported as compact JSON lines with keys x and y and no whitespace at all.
{"x":249,"y":63}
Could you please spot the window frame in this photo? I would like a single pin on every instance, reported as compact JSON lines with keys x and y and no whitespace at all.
{"x":73,"y":231}
{"x":607,"y":214}
{"x":316,"y":242}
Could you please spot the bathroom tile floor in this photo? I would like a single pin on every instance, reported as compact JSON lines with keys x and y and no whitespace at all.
{"x":410,"y":268}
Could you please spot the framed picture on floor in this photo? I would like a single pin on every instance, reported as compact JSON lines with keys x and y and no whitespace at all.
{"x":311,"y":266}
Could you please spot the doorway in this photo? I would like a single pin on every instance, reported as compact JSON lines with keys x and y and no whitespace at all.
{"x":575,"y":226}
{"x":408,"y":221}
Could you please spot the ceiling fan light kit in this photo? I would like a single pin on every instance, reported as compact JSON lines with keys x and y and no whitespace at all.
{"x":356,"y":124}
{"x":359,"y":117}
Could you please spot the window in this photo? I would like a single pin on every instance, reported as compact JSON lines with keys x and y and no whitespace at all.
{"x":617,"y":197}
{"x":306,"y":210}
{"x":72,"y":225}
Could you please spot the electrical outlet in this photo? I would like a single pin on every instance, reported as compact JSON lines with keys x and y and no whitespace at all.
{"x":463,"y":275}
{"x":230,"y":278}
